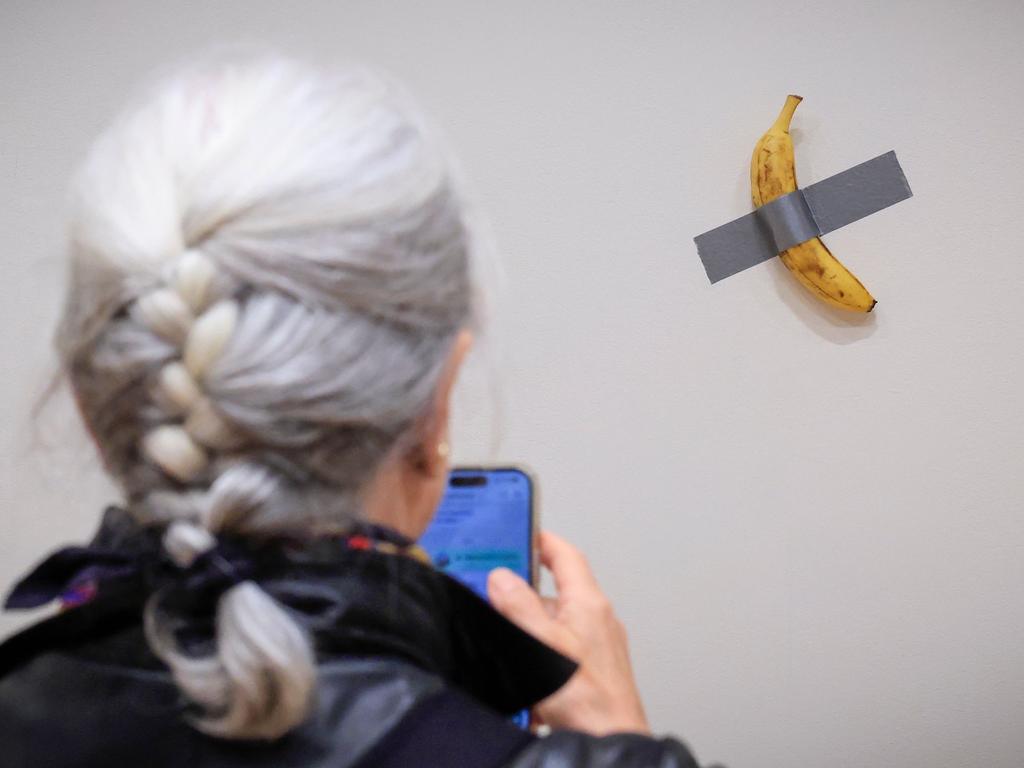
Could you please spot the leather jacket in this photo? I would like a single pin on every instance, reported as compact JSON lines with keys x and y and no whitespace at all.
{"x":82,"y":688}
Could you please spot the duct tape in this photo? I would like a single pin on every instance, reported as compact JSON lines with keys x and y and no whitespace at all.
{"x":799,"y":216}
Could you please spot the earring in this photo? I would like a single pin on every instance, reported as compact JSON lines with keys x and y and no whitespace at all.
{"x":443,"y":449}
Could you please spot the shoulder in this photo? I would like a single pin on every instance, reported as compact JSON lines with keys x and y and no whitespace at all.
{"x":457,"y":730}
{"x":575,"y":749}
{"x":61,"y":709}
{"x":361,"y":699}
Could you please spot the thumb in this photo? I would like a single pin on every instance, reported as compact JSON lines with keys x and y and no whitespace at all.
{"x":516,"y":600}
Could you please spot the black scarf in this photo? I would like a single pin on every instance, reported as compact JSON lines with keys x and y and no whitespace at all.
{"x":353,"y":601}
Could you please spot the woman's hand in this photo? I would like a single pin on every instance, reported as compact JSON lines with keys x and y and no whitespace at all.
{"x":601,"y":697}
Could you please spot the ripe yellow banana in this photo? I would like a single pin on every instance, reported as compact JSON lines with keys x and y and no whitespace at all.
{"x":772,"y":175}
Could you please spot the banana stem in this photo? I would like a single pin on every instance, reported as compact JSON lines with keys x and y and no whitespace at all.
{"x":786,"y":115}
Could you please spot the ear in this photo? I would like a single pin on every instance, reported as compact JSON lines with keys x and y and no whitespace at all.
{"x":434,"y":429}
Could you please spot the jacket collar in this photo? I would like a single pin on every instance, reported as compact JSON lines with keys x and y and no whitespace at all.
{"x":363,"y":601}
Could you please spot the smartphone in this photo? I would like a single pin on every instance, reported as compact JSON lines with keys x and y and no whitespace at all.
{"x":487,"y":518}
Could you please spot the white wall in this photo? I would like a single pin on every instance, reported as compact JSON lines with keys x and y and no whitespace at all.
{"x":811,"y":523}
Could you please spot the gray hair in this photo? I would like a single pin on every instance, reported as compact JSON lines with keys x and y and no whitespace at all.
{"x":269,"y":263}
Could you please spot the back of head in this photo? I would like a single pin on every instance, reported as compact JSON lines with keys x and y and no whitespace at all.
{"x":269,"y":262}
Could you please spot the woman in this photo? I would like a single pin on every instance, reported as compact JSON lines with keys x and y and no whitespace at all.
{"x":271,"y":294}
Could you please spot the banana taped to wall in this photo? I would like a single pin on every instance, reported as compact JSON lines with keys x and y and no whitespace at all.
{"x":788,"y":221}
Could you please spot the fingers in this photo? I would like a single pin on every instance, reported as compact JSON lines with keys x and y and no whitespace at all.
{"x":567,"y":564}
{"x":515,"y":599}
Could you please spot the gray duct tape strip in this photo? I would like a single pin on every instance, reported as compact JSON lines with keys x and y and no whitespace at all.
{"x":821,"y":208}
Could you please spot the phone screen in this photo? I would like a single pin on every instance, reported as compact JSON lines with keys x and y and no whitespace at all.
{"x":483,"y":521}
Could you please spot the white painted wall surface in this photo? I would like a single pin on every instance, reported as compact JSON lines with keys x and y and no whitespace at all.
{"x":811,"y":524}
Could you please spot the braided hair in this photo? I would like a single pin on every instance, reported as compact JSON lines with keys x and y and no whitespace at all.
{"x":269,"y":263}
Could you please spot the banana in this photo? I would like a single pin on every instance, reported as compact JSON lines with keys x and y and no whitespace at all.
{"x":773,"y":174}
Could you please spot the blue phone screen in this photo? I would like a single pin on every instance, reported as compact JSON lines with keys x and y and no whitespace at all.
{"x":483,"y":521}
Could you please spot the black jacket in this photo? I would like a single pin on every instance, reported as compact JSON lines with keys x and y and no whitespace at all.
{"x":83,"y":689}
